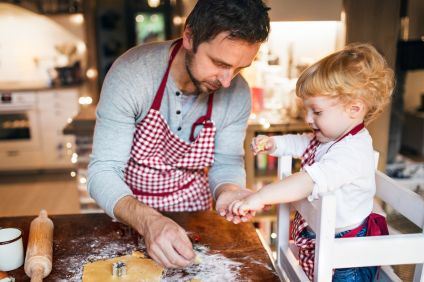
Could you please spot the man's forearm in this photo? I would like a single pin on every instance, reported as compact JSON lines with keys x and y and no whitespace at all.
{"x":134,"y":213}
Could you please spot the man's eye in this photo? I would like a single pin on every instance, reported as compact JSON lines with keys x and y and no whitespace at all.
{"x":221,"y":65}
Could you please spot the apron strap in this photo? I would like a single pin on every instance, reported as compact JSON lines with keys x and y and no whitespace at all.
{"x":201,"y":120}
{"x":353,"y":131}
{"x":161,"y":90}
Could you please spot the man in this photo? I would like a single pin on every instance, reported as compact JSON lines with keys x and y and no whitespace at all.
{"x":167,"y":112}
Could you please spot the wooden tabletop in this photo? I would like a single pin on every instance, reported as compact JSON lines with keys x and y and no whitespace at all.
{"x":82,"y":238}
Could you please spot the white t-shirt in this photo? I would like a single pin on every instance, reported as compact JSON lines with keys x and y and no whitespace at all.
{"x":347,"y":169}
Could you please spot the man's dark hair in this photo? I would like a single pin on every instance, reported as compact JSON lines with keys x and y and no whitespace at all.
{"x":247,"y":20}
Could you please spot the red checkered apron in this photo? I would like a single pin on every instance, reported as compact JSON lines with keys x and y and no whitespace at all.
{"x":164,"y":171}
{"x":307,"y":245}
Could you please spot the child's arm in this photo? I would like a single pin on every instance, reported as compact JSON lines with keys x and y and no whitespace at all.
{"x":293,"y":188}
{"x":281,"y":145}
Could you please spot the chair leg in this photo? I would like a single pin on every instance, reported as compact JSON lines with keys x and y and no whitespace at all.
{"x":325,"y":239}
{"x":419,"y":274}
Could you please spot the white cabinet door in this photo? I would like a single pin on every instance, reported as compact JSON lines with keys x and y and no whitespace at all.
{"x":56,"y":108}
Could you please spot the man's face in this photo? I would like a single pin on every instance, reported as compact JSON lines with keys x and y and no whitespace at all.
{"x":218,"y":61}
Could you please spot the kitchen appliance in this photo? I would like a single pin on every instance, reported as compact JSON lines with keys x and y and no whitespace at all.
{"x":69,"y":75}
{"x":19,"y":131}
{"x":31,"y":124}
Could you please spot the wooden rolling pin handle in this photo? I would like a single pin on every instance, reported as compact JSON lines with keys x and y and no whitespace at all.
{"x":37,"y":273}
{"x":38,"y":261}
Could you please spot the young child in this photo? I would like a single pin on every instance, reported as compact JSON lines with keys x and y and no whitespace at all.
{"x":341,"y":93}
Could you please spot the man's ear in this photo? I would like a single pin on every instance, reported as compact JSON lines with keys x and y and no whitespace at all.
{"x":187,"y":39}
{"x":357,"y":109}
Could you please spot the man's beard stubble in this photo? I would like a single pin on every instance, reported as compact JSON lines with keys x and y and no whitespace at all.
{"x":197,"y":84}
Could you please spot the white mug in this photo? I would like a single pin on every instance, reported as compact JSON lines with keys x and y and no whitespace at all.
{"x":11,"y":249}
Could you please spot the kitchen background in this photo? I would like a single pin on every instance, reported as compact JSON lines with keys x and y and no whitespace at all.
{"x":54,"y":55}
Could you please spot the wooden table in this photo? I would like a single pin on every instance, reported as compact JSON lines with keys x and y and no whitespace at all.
{"x":87,"y":237}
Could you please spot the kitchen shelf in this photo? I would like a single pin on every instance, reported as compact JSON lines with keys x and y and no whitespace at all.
{"x":252,"y":172}
{"x":265,"y":176}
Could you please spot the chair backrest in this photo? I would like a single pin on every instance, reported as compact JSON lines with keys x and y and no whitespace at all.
{"x":330,"y":253}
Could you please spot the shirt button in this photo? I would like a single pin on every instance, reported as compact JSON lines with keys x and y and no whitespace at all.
{"x":179,"y":128}
{"x":178,"y":93}
{"x":178,"y":112}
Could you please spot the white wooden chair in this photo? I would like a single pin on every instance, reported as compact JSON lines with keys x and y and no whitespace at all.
{"x":363,"y":251}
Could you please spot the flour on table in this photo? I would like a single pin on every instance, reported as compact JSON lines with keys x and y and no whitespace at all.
{"x":213,"y":267}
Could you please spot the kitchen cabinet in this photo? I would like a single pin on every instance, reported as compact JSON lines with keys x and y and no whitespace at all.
{"x":50,"y":7}
{"x":57,"y":107}
{"x":82,"y":127}
{"x":304,"y":10}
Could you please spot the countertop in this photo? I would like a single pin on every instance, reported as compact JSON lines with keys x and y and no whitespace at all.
{"x":227,"y":249}
{"x":83,"y":123}
{"x":17,"y":86}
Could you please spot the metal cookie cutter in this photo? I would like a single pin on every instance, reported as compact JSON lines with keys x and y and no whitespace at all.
{"x":119,"y":269}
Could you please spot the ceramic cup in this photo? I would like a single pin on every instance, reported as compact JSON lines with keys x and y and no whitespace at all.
{"x":11,"y":249}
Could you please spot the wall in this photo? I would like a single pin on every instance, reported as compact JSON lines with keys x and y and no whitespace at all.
{"x":414,"y":88}
{"x":188,"y":5}
{"x":414,"y":85}
{"x":375,"y":22}
{"x":28,"y":45}
{"x":416,"y":19}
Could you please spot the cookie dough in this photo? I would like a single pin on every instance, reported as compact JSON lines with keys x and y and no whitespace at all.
{"x":139,"y":268}
{"x":197,"y":260}
{"x":261,"y":146}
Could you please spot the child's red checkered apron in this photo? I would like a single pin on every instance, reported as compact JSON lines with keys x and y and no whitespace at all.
{"x":307,"y":245}
{"x":164,"y":171}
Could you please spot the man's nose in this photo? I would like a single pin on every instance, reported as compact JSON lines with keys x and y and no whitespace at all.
{"x":225,"y":78}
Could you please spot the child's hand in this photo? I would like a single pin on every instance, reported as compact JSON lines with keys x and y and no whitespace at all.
{"x":262,"y":144}
{"x":249,"y":204}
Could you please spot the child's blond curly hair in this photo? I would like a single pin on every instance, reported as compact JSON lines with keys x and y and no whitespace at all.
{"x":356,"y":72}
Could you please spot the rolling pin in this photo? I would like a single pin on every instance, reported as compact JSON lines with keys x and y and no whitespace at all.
{"x":38,"y":261}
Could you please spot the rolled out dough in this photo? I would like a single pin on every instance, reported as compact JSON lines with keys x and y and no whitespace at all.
{"x":139,"y":268}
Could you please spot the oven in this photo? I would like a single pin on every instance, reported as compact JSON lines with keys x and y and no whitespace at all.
{"x":20,"y":143}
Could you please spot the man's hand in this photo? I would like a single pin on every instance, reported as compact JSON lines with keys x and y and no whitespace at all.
{"x":167,"y":243}
{"x":228,"y":193}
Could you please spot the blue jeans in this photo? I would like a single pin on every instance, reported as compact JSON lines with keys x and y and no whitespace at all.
{"x":354,"y":274}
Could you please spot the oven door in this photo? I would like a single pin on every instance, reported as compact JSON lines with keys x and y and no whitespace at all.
{"x":19,"y":128}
